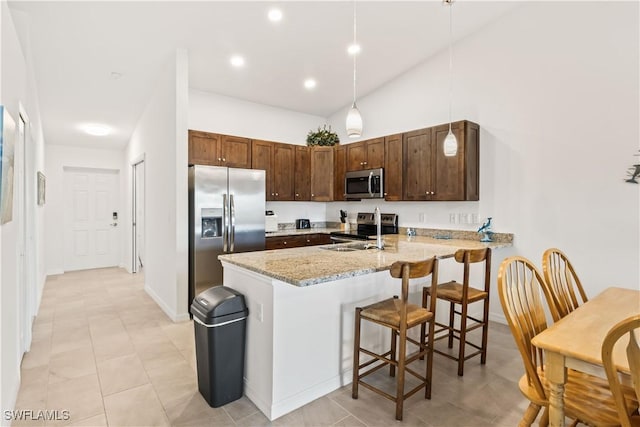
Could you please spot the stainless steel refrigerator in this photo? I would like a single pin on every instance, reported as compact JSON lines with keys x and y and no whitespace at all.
{"x":226,"y":215}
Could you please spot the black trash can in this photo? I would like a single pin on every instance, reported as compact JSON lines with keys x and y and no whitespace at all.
{"x":220,"y":322}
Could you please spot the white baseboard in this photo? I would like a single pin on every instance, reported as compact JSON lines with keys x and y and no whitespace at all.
{"x":298,"y":400}
{"x":54,"y":272}
{"x":160,"y":303}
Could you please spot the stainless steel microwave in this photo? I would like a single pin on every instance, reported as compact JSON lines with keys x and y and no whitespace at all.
{"x":364,"y":184}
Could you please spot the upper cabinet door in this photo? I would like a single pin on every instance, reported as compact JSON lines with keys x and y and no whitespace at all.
{"x":203,"y":148}
{"x":418,"y":154}
{"x":283,"y":171}
{"x":456,"y":177}
{"x":356,"y":155}
{"x":375,"y":153}
{"x":322,"y":174}
{"x":235,"y":152}
{"x":261,"y":158}
{"x":339,"y":168}
{"x":393,"y":167}
{"x":302,"y":174}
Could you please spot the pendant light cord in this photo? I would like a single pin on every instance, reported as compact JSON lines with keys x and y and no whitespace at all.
{"x":354,"y":53}
{"x":450,"y":2}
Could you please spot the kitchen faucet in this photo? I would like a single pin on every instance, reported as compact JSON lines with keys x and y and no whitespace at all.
{"x":378,"y":220}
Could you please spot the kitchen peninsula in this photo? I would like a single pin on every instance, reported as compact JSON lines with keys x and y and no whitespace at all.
{"x":301,"y":311}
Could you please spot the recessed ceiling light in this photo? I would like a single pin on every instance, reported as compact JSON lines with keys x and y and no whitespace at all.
{"x":237,"y":61}
{"x":275,"y":15}
{"x":353,"y":49}
{"x":96,"y":129}
{"x":310,"y":83}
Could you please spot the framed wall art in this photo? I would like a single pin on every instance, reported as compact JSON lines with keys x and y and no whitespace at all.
{"x":7,"y":153}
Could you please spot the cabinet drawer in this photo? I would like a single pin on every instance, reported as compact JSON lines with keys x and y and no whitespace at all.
{"x":284,"y":242}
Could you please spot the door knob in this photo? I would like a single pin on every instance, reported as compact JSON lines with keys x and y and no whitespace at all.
{"x":114,"y":224}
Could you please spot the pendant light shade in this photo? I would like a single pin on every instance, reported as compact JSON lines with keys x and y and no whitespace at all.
{"x":450,"y":142}
{"x":354,"y":119}
{"x":354,"y":122}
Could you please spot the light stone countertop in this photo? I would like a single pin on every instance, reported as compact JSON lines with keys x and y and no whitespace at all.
{"x":311,"y":265}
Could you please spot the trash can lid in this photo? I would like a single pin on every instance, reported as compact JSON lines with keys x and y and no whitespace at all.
{"x":218,"y":304}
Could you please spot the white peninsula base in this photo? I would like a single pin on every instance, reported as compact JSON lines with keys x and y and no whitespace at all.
{"x":300,"y":339}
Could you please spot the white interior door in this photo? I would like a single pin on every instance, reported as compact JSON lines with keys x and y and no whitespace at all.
{"x":91,"y":218}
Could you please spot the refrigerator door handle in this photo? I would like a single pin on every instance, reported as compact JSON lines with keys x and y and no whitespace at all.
{"x":232,"y":237}
{"x":225,"y":223}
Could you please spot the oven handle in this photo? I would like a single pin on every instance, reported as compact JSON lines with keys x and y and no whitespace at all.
{"x":369,"y":184}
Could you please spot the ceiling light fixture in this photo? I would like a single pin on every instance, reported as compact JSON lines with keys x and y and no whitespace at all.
{"x":354,"y":119}
{"x":450,"y":142}
{"x":237,"y":61}
{"x":275,"y":15}
{"x":96,"y":129}
{"x":310,"y":83}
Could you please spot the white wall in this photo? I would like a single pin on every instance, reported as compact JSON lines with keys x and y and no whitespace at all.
{"x":211,"y":112}
{"x":18,"y":95}
{"x":555,"y":89}
{"x":57,"y":158}
{"x":160,"y":137}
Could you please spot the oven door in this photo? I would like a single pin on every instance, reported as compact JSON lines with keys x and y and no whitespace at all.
{"x":365,"y":184}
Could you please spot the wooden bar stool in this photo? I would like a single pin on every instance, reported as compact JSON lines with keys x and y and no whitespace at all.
{"x":399,"y":316}
{"x":463,"y":295}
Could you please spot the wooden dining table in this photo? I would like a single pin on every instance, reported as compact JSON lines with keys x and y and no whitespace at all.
{"x":575,"y":342}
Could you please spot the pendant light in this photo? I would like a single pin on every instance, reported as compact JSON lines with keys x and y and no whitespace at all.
{"x":450,"y":142}
{"x":354,"y":119}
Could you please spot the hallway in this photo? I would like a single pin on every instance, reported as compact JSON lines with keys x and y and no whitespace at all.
{"x":105,"y":352}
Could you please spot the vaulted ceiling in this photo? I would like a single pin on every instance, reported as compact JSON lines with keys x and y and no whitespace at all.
{"x":78,"y":46}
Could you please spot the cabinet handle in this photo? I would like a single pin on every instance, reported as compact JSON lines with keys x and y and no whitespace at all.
{"x":224,"y":160}
{"x":284,"y":243}
{"x":308,"y":241}
{"x":312,"y":194}
{"x":277,"y":194}
{"x":433,"y":192}
{"x":297,"y":195}
{"x":385,"y":194}
{"x":272,"y":194}
{"x":365,"y":163}
{"x":219,"y":159}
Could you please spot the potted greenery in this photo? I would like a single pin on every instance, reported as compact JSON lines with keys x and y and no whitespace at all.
{"x":322,"y":136}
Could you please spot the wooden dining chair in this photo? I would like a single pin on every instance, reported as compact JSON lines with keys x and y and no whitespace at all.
{"x":630,"y":327}
{"x":399,"y":316}
{"x":462,"y":295}
{"x":587,"y":399}
{"x":563,"y":282}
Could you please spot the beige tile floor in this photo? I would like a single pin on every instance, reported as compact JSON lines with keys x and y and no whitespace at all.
{"x":104,"y":351}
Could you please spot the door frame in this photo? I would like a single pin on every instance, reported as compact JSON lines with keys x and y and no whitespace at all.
{"x":134,"y":205}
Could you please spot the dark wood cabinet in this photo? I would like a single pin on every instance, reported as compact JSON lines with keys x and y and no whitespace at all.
{"x":430,"y":175}
{"x":367,"y":154}
{"x":235,"y":152}
{"x":457,"y":177}
{"x":277,"y":161}
{"x":296,"y":241}
{"x":418,"y":157}
{"x":393,"y":167}
{"x":339,"y":168}
{"x":219,"y":150}
{"x":302,"y":173}
{"x":322,"y":174}
{"x":203,"y":148}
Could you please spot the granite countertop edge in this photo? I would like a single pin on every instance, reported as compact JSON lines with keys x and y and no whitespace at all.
{"x":285,"y":264}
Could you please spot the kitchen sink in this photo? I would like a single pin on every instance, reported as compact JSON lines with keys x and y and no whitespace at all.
{"x":349,"y":247}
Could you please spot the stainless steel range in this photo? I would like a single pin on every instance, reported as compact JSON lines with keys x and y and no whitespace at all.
{"x":367,"y":227}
